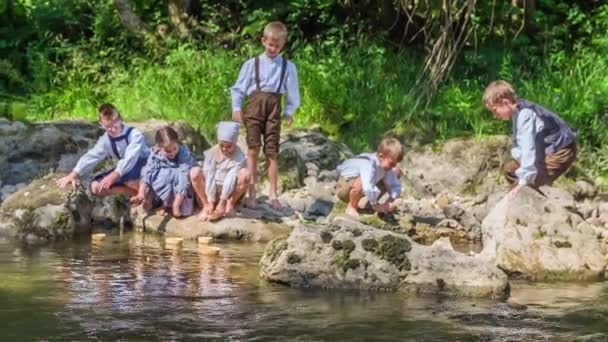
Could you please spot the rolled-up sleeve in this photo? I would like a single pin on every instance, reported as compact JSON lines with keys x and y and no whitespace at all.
{"x":526,"y":132}
{"x":239,"y":90}
{"x":292,"y":100}
{"x":146,"y":171}
{"x":370,"y":190}
{"x":94,"y":156}
{"x":393,"y":184}
{"x":132,"y":152}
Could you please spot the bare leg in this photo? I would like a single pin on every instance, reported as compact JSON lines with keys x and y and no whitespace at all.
{"x":177,"y":206}
{"x":242,"y":182}
{"x":252,"y":167}
{"x":273,"y":176}
{"x":197,"y":179}
{"x":114,"y":190}
{"x":355,"y":195}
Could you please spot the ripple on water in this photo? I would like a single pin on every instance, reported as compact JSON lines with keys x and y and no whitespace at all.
{"x":130,"y":286}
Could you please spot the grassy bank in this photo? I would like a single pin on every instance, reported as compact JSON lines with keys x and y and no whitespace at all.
{"x":356,"y":94}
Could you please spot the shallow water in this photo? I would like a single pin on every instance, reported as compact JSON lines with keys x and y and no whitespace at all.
{"x":131,"y":287}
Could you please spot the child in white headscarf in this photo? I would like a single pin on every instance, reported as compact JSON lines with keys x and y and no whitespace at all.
{"x":225,"y":177}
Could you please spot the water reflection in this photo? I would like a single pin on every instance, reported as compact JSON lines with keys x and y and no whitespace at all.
{"x":134,"y":286}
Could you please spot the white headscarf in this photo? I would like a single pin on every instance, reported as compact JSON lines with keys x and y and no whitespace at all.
{"x":228,"y":131}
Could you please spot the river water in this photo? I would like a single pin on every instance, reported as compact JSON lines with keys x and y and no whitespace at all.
{"x":132,"y":287}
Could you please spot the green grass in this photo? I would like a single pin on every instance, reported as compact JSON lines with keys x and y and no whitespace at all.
{"x":356,"y":94}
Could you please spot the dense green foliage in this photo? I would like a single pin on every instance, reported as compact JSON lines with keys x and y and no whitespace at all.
{"x":357,"y":63}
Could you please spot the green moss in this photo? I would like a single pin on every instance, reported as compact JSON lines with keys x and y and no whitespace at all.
{"x":293,"y":259}
{"x":562,"y":244}
{"x":326,"y":236}
{"x":369,"y":245}
{"x":348,"y":246}
{"x":351,"y":264}
{"x":42,"y":191}
{"x":275,"y":247}
{"x":339,"y":208}
{"x":394,"y":250}
{"x":337,"y":245}
{"x":61,"y":221}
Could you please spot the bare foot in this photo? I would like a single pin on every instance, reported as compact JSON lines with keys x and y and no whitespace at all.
{"x":204,"y":214}
{"x":252,"y":202}
{"x":214,"y":216}
{"x":229,"y":210}
{"x":276,"y":204}
{"x":352,"y":212}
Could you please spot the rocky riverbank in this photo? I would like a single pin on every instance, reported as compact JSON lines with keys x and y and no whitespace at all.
{"x":453,"y":195}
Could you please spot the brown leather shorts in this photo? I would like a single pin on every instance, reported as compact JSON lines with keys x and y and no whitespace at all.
{"x":262,"y":119}
{"x":556,"y":164}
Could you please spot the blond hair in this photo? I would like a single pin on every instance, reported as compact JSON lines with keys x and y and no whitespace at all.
{"x":498,"y":90}
{"x":391,"y":148}
{"x":275,"y":29}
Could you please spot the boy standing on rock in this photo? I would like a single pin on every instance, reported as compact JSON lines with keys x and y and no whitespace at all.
{"x":371,"y":175}
{"x":544,"y":147}
{"x":121,"y":142}
{"x":264,"y":79}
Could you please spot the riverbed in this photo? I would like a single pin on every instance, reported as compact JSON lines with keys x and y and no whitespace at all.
{"x":133,"y":287}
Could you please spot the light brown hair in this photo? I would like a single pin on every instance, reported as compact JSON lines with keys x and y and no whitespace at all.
{"x":498,"y":90}
{"x":275,"y":29}
{"x":107,"y":111}
{"x":391,"y":148}
{"x":166,"y":135}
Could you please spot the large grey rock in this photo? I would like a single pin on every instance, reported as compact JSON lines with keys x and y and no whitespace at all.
{"x":347,"y":254}
{"x":41,"y":212}
{"x":535,"y":237}
{"x":190,"y":228}
{"x":461,"y":165}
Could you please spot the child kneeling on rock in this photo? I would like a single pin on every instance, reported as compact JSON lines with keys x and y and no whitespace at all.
{"x":226,"y":179}
{"x":544,"y":147}
{"x":371,"y":175}
{"x":170,"y":176}
{"x":121,"y":142}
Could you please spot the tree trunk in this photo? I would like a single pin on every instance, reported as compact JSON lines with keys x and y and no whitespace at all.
{"x":179,"y":17}
{"x":131,"y":21}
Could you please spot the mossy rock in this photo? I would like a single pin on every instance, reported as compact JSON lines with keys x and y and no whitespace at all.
{"x":293,"y":259}
{"x":40,"y":192}
{"x":394,"y":250}
{"x":326,"y":236}
{"x":351,"y":264}
{"x":370,"y":245}
{"x":275,"y":247}
{"x":348,"y":246}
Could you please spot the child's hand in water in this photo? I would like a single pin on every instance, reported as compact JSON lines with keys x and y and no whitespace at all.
{"x":72,"y":179}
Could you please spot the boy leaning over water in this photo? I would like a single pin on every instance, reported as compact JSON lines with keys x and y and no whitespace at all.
{"x":264,"y":79}
{"x":371,"y":175}
{"x":120,"y":142}
{"x":544,"y":147}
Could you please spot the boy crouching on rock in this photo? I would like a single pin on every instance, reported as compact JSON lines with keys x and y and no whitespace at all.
{"x":120,"y":142}
{"x":170,"y":176}
{"x":226,"y":179}
{"x":371,"y":175}
{"x":544,"y":147}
